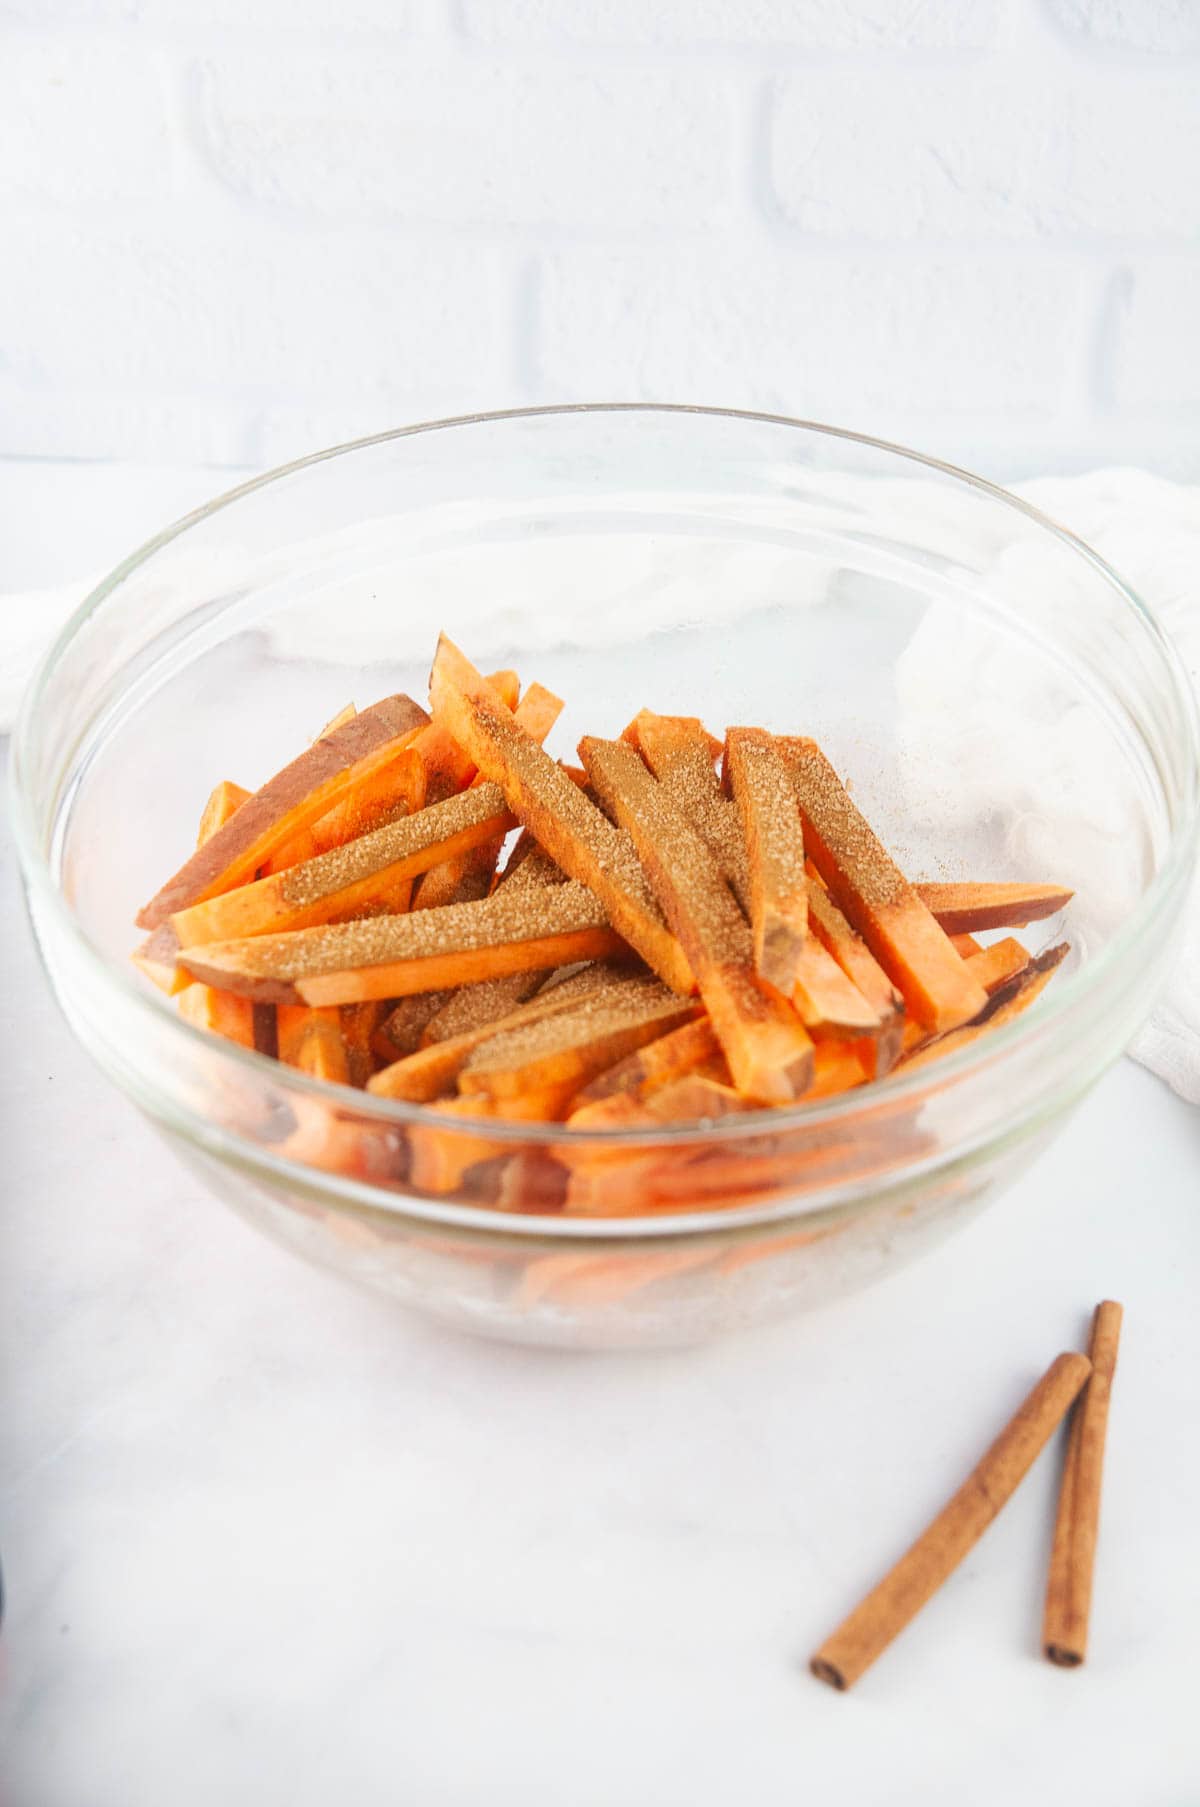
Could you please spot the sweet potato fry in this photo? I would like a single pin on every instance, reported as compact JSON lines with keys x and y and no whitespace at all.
{"x":568,"y":1046}
{"x":397,"y":789}
{"x":572,"y":830}
{"x":359,"y":1025}
{"x":304,"y":790}
{"x":220,"y":1012}
{"x":844,"y":945}
{"x":827,"y":1002}
{"x":994,"y":966}
{"x":778,"y":888}
{"x":768,"y":1050}
{"x":158,"y":955}
{"x":680,"y":752}
{"x":964,"y":909}
{"x":312,"y":1041}
{"x":390,"y":956}
{"x":223,"y":800}
{"x":670,"y":1056}
{"x":965,"y":945}
{"x":345,"y":714}
{"x":1009,"y":1002}
{"x":432,"y":1071}
{"x":355,"y":880}
{"x":157,"y":958}
{"x":869,"y":887}
{"x":439,"y":1158}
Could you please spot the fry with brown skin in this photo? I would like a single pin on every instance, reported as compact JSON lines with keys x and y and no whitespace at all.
{"x":389,"y":956}
{"x":1007,"y":1004}
{"x":774,"y":844}
{"x":303,"y":791}
{"x":766,"y":1045}
{"x":158,"y":955}
{"x":223,"y":800}
{"x":870,"y":888}
{"x":577,"y":835}
{"x":965,"y":909}
{"x":358,"y":879}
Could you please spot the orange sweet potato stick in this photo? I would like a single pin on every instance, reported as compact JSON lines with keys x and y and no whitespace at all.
{"x":220,"y":1012}
{"x":432,"y":1071}
{"x":312,"y":1041}
{"x":566,"y":1047}
{"x":774,"y":842}
{"x":345,"y":714}
{"x":158,"y":955}
{"x":396,"y":789}
{"x":390,"y":956}
{"x":828,"y":1003}
{"x":304,"y":790}
{"x":671,"y":1056}
{"x":964,"y":909}
{"x":223,"y":800}
{"x":355,"y":880}
{"x":767,"y":1047}
{"x":570,"y":827}
{"x":1009,"y":1002}
{"x":848,"y":949}
{"x":680,"y":752}
{"x":870,"y":888}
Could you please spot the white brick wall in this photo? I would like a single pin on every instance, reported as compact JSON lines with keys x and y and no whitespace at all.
{"x":232,"y":230}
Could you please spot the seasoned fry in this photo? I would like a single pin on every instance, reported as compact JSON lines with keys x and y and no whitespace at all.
{"x":389,"y":956}
{"x":774,"y":843}
{"x":158,"y":955}
{"x":869,"y":887}
{"x":397,"y":789}
{"x":541,"y":796}
{"x":680,"y":752}
{"x":358,"y":879}
{"x":431,"y":1071}
{"x":671,"y":1056}
{"x":322,"y":775}
{"x":568,"y":1046}
{"x":967,"y":909}
{"x":768,"y":1050}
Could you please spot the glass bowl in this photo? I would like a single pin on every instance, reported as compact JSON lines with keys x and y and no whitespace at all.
{"x":1004,"y":705}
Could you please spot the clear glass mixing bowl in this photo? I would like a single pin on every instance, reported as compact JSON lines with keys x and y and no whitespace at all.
{"x":1003,"y":704}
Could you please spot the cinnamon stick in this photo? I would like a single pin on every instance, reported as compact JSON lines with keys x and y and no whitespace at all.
{"x":1073,"y":1557}
{"x":915,"y":1579}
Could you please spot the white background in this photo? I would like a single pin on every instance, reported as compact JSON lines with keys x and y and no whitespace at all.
{"x":266,"y":1539}
{"x":234,"y":230}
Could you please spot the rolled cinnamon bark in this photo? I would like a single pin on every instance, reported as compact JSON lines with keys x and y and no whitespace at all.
{"x":902,"y":1593}
{"x":1073,"y":1557}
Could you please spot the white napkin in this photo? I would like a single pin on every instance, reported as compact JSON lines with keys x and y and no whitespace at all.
{"x":1146,"y":527}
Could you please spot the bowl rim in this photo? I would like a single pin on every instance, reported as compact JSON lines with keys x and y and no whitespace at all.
{"x":1072,"y":988}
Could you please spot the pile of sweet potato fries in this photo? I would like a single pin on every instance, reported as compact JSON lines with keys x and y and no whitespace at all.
{"x":682,"y":928}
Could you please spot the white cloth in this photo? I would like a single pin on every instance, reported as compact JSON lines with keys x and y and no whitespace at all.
{"x":1146,"y":527}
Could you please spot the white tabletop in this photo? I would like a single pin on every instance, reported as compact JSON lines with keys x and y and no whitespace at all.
{"x":266,"y":1538}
